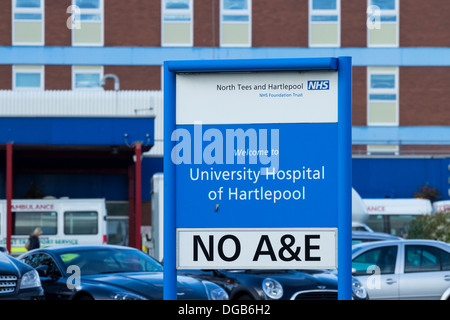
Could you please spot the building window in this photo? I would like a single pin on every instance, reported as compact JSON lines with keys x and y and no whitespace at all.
{"x":383,"y":102}
{"x":235,"y":23}
{"x":89,"y":30}
{"x":324,"y":23}
{"x":383,"y":29}
{"x":87,"y":77}
{"x":28,"y":22}
{"x":177,"y":26}
{"x":28,"y":77}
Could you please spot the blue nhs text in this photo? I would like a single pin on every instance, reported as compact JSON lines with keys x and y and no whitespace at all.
{"x":319,"y":85}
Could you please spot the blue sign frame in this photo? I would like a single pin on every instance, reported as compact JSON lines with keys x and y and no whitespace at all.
{"x":343,"y":66}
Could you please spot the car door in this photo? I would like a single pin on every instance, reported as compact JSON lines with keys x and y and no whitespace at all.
{"x":376,"y":269}
{"x":52,"y":283}
{"x":426,"y":273}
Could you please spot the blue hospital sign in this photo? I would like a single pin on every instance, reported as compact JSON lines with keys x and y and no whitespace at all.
{"x":257,"y":159}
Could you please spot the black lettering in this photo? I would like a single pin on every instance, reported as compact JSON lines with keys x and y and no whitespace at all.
{"x":198,"y":241}
{"x":269,"y":251}
{"x":309,"y":247}
{"x":287,"y":247}
{"x":237,"y":246}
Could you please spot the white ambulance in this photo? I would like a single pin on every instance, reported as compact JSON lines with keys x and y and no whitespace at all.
{"x":63,"y":221}
{"x":394,"y":216}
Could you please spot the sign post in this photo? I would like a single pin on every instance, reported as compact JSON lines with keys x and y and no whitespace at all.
{"x":257,"y":166}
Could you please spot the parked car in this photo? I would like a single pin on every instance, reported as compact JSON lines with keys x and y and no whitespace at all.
{"x":107,"y":272}
{"x":403,"y":269}
{"x":356,"y":226}
{"x":18,"y":281}
{"x":277,"y":284}
{"x":364,"y":236}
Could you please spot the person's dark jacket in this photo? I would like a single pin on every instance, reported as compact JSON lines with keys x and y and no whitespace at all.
{"x":34,"y":242}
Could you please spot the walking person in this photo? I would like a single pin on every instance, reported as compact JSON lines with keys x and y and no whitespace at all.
{"x":33,"y":240}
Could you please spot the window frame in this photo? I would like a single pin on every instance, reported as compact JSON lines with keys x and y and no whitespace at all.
{"x":324,"y":12}
{"x":40,"y":10}
{"x":28,"y":70}
{"x":101,"y":12}
{"x":387,"y":12}
{"x":380,"y":248}
{"x":97,"y":219}
{"x":86,"y":70}
{"x":241,"y":12}
{"x":396,"y":90}
{"x":32,"y":259}
{"x":189,"y":12}
{"x":44,"y":228}
{"x":423,"y":247}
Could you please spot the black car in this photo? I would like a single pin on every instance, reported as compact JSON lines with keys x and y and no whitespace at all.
{"x":107,"y":272}
{"x":277,"y":284}
{"x":18,"y":281}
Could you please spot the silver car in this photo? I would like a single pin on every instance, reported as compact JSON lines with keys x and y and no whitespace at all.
{"x":403,"y":269}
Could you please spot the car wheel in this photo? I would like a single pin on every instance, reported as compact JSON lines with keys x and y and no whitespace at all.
{"x":85,"y":297}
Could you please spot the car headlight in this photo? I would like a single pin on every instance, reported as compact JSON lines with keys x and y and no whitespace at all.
{"x":358,"y":290}
{"x":126,"y":296}
{"x":272,"y":288}
{"x":214,"y":291}
{"x":30,"y":279}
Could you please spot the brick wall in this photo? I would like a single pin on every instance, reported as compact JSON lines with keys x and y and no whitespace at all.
{"x":132,"y":23}
{"x":281,"y":23}
{"x":56,"y":31}
{"x":359,"y":96}
{"x":353,"y":23}
{"x":424,"y":96}
{"x":206,"y":23}
{"x":58,"y":77}
{"x":5,"y":23}
{"x":5,"y":77}
{"x":424,"y":23}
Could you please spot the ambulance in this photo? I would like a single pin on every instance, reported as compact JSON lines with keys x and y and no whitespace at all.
{"x":394,"y":216}
{"x":62,"y":221}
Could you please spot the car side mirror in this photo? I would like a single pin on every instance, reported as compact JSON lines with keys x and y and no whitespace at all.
{"x":353,"y":271}
{"x":42,"y":270}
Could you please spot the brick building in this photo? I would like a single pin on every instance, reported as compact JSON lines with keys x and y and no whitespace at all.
{"x":400,"y":52}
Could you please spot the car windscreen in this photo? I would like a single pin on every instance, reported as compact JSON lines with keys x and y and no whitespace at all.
{"x":103,"y":261}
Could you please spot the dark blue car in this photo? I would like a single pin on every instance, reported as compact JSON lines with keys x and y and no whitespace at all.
{"x":105,"y":272}
{"x":278,"y":284}
{"x":18,"y":281}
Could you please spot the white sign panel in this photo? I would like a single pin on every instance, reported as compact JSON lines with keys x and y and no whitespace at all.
{"x":257,"y":97}
{"x":266,"y":248}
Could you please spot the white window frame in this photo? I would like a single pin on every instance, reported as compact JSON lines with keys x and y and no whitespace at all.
{"x":395,"y":90}
{"x":40,"y":11}
{"x":242,"y":12}
{"x":88,"y":70}
{"x":30,"y":70}
{"x":189,"y":12}
{"x":316,"y":12}
{"x":385,"y":12}
{"x":101,"y":12}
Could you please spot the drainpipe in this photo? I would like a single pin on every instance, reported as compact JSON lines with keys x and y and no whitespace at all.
{"x":111,"y":76}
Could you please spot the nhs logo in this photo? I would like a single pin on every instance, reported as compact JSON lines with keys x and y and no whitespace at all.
{"x":319,"y":85}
